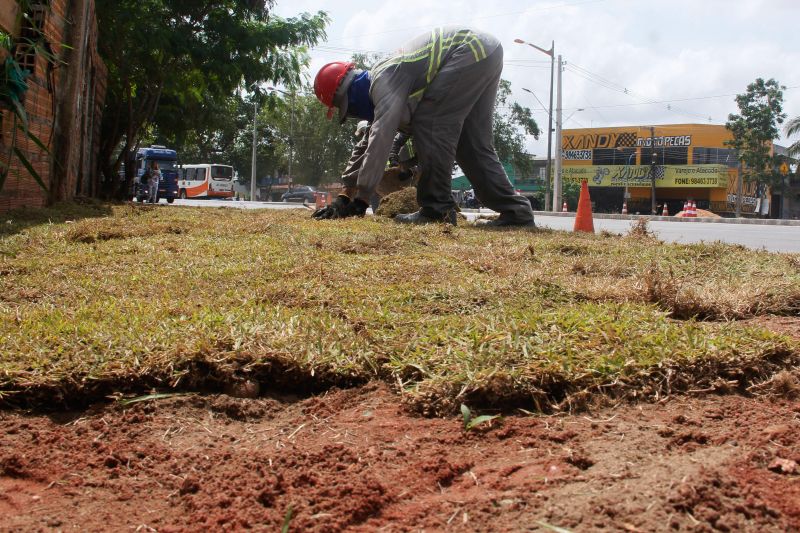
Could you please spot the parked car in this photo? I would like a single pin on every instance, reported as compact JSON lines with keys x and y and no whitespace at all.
{"x":300,"y":193}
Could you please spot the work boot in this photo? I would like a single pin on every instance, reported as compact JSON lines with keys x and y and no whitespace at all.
{"x":419,"y":218}
{"x":506,"y":222}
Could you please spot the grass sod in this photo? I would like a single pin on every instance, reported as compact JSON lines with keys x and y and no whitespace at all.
{"x":183,"y":298}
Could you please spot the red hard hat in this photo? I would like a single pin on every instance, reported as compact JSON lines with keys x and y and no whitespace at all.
{"x":329,"y":86}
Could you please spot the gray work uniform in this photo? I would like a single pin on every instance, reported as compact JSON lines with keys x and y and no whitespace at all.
{"x":441,"y":88}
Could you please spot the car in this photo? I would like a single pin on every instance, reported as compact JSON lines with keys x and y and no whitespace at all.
{"x":300,"y":193}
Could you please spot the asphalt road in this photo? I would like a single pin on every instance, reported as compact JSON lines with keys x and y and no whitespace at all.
{"x":771,"y":238}
{"x":755,"y":236}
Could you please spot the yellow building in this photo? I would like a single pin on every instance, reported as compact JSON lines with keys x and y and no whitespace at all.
{"x":692,"y":161}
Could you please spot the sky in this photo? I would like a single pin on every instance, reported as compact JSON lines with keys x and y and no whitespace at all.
{"x":627,"y":62}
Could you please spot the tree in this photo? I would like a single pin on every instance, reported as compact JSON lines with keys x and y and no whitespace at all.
{"x":793,"y":128}
{"x":509,"y":142}
{"x":321,"y":147}
{"x":179,"y":65}
{"x":754,"y":129}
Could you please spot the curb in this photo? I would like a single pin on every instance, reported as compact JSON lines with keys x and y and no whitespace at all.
{"x":659,"y":218}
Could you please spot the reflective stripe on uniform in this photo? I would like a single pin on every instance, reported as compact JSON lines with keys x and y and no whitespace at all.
{"x":435,"y":51}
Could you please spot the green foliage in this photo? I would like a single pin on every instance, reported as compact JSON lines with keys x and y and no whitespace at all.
{"x":509,"y":142}
{"x":470,"y":422}
{"x":287,"y":520}
{"x":793,"y":128}
{"x":364,"y":61}
{"x":181,"y":66}
{"x":14,"y":85}
{"x":754,"y":129}
{"x":321,"y":146}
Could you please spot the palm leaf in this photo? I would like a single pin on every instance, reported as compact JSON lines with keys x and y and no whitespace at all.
{"x":35,"y":139}
{"x":27,"y":165}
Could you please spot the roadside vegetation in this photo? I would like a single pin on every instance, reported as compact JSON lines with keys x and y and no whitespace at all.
{"x":98,"y":300}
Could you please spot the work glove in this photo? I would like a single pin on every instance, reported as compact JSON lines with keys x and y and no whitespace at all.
{"x":342,"y":207}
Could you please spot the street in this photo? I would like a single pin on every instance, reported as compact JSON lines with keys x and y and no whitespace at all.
{"x":755,"y":236}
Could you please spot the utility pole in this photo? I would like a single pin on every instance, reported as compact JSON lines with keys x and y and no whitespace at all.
{"x":653,"y":207}
{"x":550,"y":131}
{"x":549,"y":177}
{"x":557,"y":181}
{"x":253,"y":166}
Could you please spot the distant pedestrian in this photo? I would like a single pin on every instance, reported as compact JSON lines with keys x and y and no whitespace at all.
{"x":155,"y":178}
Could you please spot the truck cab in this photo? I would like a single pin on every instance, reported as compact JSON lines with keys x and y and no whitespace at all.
{"x":167,"y":160}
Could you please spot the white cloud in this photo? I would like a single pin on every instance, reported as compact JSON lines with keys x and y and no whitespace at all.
{"x":659,"y":51}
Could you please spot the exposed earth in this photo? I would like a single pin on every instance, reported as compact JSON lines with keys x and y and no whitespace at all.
{"x":359,"y":460}
{"x":356,"y":460}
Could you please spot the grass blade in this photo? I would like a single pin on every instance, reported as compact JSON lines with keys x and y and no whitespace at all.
{"x":478,"y":420}
{"x":149,"y":397}
{"x":551,"y":527}
{"x":467,"y":415}
{"x":286,"y":520}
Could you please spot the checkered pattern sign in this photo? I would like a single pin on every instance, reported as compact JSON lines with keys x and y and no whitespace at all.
{"x":626,"y":140}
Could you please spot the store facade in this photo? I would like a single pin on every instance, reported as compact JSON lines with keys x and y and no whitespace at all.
{"x":683,"y":161}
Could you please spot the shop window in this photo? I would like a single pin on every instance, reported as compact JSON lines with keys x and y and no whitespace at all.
{"x":614,"y":156}
{"x":665,"y":155}
{"x":714,"y":156}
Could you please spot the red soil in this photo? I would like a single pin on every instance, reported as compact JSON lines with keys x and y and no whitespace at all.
{"x":356,"y":460}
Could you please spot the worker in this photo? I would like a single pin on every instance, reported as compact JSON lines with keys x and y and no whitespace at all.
{"x":401,"y":170}
{"x":441,"y":89}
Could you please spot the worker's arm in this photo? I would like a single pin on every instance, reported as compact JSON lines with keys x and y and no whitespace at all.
{"x":397,"y":144}
{"x":390,"y":96}
{"x":350,"y":174}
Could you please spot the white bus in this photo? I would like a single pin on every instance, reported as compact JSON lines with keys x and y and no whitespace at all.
{"x":205,"y":181}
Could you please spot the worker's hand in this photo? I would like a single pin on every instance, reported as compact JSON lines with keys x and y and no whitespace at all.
{"x":342,"y":207}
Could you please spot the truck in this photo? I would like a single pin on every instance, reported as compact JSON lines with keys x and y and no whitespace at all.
{"x":167,"y":160}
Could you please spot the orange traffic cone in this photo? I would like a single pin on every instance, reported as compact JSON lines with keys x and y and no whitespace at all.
{"x":685,"y":209}
{"x":665,"y":211}
{"x":583,"y":219}
{"x":624,"y":207}
{"x":692,"y":209}
{"x":564,"y":208}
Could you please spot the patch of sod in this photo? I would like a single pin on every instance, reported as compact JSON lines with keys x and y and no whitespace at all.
{"x":180,"y":297}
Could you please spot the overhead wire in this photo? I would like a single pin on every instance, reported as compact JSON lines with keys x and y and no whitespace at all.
{"x":608,"y":84}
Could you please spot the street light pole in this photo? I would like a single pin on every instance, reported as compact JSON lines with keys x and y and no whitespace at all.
{"x":549,"y":118}
{"x":570,"y":115}
{"x":253,"y":165}
{"x":557,"y":179}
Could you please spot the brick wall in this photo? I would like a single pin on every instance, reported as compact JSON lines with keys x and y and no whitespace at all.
{"x":64,"y":108}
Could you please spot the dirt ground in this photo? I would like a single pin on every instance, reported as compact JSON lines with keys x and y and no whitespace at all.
{"x":356,"y":460}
